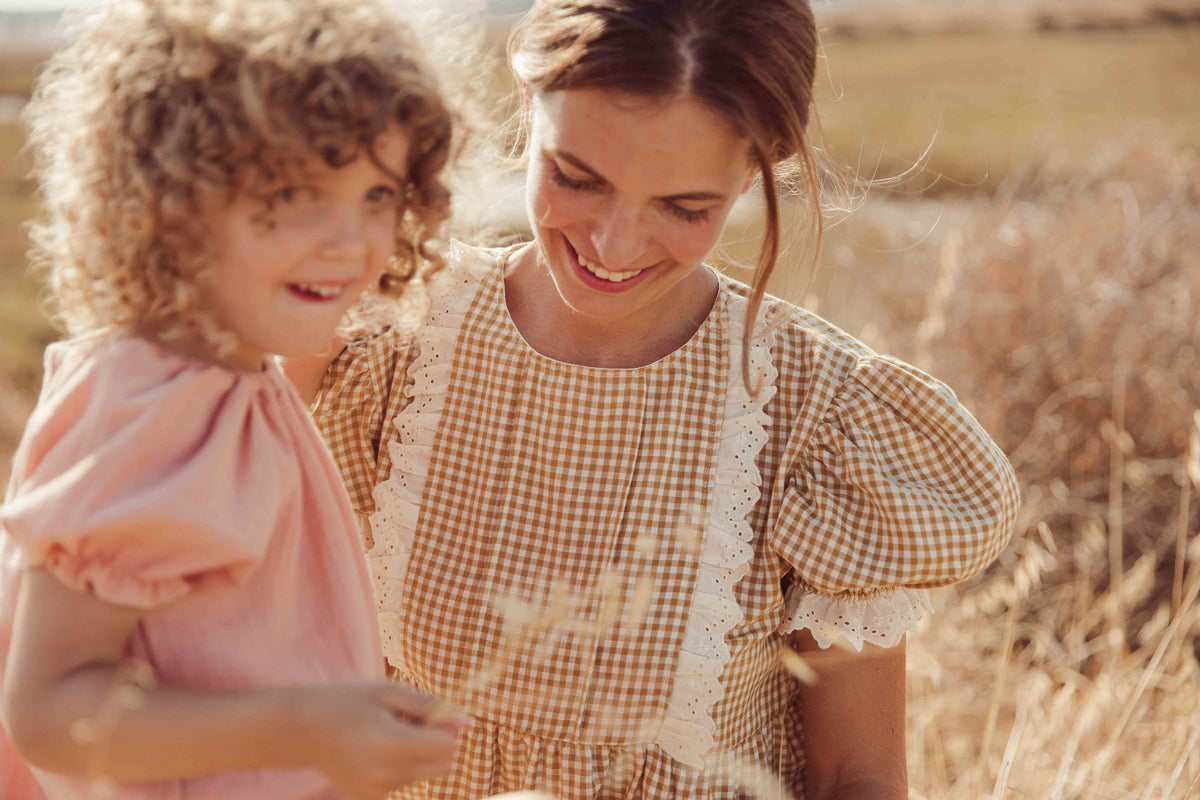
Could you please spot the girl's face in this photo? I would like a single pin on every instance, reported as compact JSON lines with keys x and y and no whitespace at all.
{"x":288,"y":262}
{"x":628,"y":196}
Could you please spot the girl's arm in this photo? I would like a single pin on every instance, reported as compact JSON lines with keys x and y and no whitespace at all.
{"x":853,"y":722}
{"x":64,"y":661}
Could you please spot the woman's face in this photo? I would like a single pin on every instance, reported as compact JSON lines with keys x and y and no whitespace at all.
{"x":627,"y":196}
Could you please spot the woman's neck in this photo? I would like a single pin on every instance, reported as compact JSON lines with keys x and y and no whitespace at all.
{"x":559,"y":332}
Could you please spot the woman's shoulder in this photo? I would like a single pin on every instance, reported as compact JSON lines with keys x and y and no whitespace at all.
{"x":472,"y":263}
{"x":806,"y":349}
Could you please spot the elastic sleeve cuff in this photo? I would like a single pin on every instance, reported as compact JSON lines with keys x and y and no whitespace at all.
{"x":881,"y":619}
{"x":103,"y":578}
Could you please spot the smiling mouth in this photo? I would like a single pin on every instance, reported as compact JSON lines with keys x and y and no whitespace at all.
{"x":317,"y":291}
{"x":602,"y":273}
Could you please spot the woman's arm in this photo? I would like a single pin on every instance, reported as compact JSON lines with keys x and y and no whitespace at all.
{"x":853,"y":722}
{"x":62,"y":666}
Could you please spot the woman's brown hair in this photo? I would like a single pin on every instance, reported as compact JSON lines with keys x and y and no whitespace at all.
{"x":753,"y":61}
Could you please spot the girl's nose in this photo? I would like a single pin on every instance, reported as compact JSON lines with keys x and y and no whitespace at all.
{"x":619,"y":238}
{"x":344,"y":234}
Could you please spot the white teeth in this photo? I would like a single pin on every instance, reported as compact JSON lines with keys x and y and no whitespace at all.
{"x":327,"y":292}
{"x":601,"y":272}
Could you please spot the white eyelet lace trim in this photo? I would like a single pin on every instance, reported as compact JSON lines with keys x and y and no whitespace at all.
{"x":882,"y":619}
{"x":688,"y":731}
{"x":398,"y":499}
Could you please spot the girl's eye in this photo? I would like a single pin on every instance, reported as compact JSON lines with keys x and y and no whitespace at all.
{"x":289,"y":195}
{"x":382,"y":195}
{"x":687,"y":214}
{"x":567,"y":182}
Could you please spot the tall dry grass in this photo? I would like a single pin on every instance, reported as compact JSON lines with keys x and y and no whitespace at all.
{"x":1066,"y":311}
{"x":1064,"y":307}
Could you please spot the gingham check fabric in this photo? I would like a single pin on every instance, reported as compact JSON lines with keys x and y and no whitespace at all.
{"x":548,"y":586}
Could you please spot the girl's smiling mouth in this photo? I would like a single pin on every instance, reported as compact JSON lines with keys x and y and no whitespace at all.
{"x":317,"y":292}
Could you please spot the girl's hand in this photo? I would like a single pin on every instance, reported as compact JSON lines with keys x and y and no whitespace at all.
{"x":65,"y":665}
{"x":370,"y":739}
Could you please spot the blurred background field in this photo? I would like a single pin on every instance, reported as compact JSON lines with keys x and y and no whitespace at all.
{"x":1043,"y":257}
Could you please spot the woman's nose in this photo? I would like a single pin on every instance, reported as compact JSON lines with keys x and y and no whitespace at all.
{"x":619,"y":238}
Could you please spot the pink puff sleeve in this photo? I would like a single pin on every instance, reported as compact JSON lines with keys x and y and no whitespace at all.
{"x":134,"y":478}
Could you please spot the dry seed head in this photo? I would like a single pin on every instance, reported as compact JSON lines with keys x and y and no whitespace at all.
{"x":1121,"y":438}
{"x":794,"y":664}
{"x":1155,"y":625}
{"x":1193,"y":549}
{"x":640,"y":601}
{"x":128,"y":697}
{"x":759,"y":782}
{"x":492,"y":672}
{"x":549,"y":644}
{"x":609,"y":587}
{"x":690,"y":533}
{"x":102,"y":788}
{"x":1044,"y":533}
{"x":83,"y":731}
{"x":1193,"y":454}
{"x":439,"y":712}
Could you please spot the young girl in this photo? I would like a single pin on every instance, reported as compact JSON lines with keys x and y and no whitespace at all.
{"x":642,"y":478}
{"x":184,"y":608}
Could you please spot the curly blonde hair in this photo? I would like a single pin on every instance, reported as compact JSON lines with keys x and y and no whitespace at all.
{"x":156,"y":107}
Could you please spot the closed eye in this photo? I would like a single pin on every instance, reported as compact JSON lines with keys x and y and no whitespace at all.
{"x":688,"y":214}
{"x":575,"y":184}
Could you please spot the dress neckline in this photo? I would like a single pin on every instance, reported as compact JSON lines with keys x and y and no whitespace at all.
{"x":715,"y":312}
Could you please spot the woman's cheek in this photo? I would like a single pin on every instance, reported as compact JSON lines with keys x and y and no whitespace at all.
{"x":555,"y":207}
{"x":690,"y":243}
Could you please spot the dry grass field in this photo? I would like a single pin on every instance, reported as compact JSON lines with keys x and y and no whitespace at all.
{"x":1044,"y":259}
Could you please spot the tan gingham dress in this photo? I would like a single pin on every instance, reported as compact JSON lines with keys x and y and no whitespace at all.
{"x":599,"y":564}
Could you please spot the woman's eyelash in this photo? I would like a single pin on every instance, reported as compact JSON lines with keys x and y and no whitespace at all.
{"x":687,"y":215}
{"x":562,"y":179}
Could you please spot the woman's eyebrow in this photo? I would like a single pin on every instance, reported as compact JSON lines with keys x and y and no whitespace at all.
{"x":696,"y":196}
{"x":581,"y":165}
{"x":576,"y":162}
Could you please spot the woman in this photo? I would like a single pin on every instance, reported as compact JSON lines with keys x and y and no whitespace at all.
{"x":607,"y":485}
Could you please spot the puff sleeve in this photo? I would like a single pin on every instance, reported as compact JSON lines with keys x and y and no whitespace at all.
{"x":897,"y":489}
{"x":133,"y":480}
{"x":360,"y":392}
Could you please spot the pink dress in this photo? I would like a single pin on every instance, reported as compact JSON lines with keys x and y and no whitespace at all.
{"x":206,"y":497}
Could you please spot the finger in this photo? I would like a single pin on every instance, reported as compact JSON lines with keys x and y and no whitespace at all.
{"x":422,"y":708}
{"x":405,"y":699}
{"x":444,"y":715}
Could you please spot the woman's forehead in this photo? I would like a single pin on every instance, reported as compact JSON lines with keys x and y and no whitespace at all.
{"x":615,"y":131}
